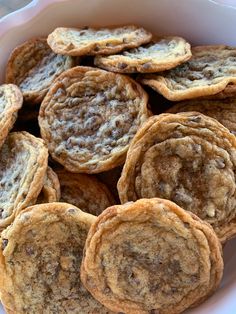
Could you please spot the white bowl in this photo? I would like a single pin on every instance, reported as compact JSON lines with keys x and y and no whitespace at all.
{"x":199,"y":21}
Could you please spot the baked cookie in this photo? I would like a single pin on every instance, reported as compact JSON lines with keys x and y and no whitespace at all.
{"x":151,"y":256}
{"x":92,"y":41}
{"x":208,"y":72}
{"x":11,"y":100}
{"x":162,"y":54}
{"x":23,"y":165}
{"x":33,"y":66}
{"x":187,"y":158}
{"x":51,"y":188}
{"x":89,"y":117}
{"x":40,"y":260}
{"x":84,"y":191}
{"x":223,"y":110}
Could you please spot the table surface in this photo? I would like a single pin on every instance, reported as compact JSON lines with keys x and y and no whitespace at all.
{"x":7,"y":6}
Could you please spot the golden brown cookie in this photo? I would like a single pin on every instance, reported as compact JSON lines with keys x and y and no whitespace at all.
{"x":33,"y":66}
{"x":89,"y":117}
{"x":151,"y":256}
{"x":92,"y":41}
{"x":40,"y":256}
{"x":162,"y":54}
{"x":51,"y":188}
{"x":187,"y":158}
{"x":208,"y":72}
{"x":223,"y":110}
{"x":84,"y":191}
{"x":23,"y":165}
{"x":11,"y":100}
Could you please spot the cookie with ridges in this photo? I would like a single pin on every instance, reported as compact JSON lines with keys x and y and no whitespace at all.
{"x":40,"y":256}
{"x":96,"y":41}
{"x":89,"y":117}
{"x":84,"y":191}
{"x":208,"y":72}
{"x":162,"y":54}
{"x":33,"y":66}
{"x":223,"y":110}
{"x":151,"y":256}
{"x":51,"y":191}
{"x":23,"y":159}
{"x":11,"y":100}
{"x":187,"y":158}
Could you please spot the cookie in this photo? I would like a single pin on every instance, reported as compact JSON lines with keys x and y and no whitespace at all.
{"x":187,"y":158}
{"x":151,"y":256}
{"x":223,"y":110}
{"x":89,"y":117}
{"x":92,"y":41}
{"x":11,"y":100}
{"x":84,"y":191}
{"x":162,"y":54}
{"x":33,"y":66}
{"x":23,"y":165}
{"x":40,"y":260}
{"x":208,"y":72}
{"x":51,"y":188}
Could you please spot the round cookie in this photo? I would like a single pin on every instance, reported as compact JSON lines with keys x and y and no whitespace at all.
{"x":162,"y":54}
{"x":51,"y":188}
{"x":33,"y":66}
{"x":92,"y":41}
{"x":187,"y":158}
{"x":89,"y":117}
{"x":223,"y":110}
{"x":208,"y":72}
{"x":40,"y":256}
{"x":11,"y":100}
{"x":23,"y":159}
{"x":151,"y":256}
{"x":84,"y":191}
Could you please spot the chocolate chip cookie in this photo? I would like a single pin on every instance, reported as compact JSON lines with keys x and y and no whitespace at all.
{"x":187,"y":158}
{"x":208,"y":72}
{"x":162,"y":54}
{"x":23,"y":165}
{"x":40,"y":256}
{"x":151,"y":256}
{"x":84,"y":191}
{"x":89,"y":117}
{"x":91,"y":41}
{"x":33,"y":66}
{"x":11,"y":100}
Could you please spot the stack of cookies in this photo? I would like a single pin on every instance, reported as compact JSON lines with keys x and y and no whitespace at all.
{"x":106,"y":206}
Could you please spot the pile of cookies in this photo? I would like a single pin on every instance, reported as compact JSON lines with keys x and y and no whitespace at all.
{"x":115,"y":199}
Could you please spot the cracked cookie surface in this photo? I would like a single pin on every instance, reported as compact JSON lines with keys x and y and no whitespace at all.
{"x":23,"y":164}
{"x":40,"y":260}
{"x":208,"y":72}
{"x":51,"y":188}
{"x":84,"y":191}
{"x":187,"y":158}
{"x":223,"y":110}
{"x":151,"y":256}
{"x":33,"y":66}
{"x":11,"y":101}
{"x":89,"y":117}
{"x":91,"y":41}
{"x":162,"y":54}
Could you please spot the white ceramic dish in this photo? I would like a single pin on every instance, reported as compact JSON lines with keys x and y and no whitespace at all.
{"x":200,"y":21}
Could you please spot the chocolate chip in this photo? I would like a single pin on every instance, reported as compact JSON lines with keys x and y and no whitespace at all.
{"x":122,"y":65}
{"x":71,"y":210}
{"x":29,"y":250}
{"x":147,"y":65}
{"x":4,"y":243}
{"x":96,"y":48}
{"x":195,"y":119}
